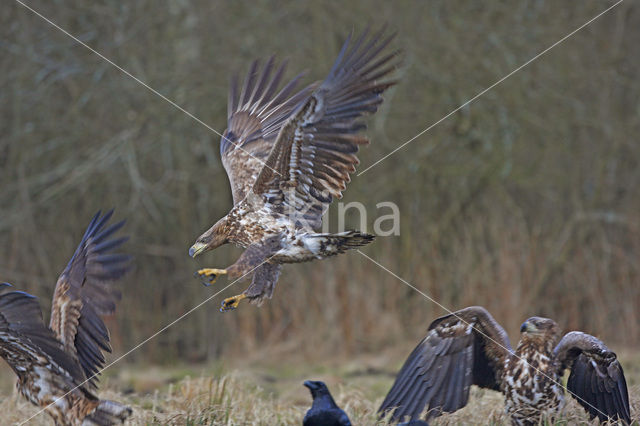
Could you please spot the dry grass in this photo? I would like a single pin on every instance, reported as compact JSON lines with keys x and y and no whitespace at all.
{"x":271,"y":393}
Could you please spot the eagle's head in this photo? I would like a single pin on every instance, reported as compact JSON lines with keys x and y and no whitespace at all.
{"x":536,"y":327}
{"x":214,"y":237}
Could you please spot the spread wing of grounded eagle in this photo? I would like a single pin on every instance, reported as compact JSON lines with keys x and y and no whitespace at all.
{"x":287,"y":155}
{"x":470,"y":347}
{"x":57,"y":365}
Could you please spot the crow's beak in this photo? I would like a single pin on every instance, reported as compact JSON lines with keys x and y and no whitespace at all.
{"x":309,"y":384}
{"x":197,"y":248}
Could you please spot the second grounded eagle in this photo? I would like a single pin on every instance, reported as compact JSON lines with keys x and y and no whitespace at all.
{"x":469,"y":347}
{"x":287,"y":156}
{"x":57,"y":366}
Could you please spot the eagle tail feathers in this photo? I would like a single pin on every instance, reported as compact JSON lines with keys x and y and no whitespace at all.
{"x":332,"y":244}
{"x":353,"y":239}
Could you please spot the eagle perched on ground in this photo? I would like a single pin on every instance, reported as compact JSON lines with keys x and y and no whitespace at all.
{"x":57,"y":365}
{"x":470,"y":347}
{"x":287,"y":156}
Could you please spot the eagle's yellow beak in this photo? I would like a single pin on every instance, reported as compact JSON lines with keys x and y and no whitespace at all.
{"x":528,"y":327}
{"x":197,"y":248}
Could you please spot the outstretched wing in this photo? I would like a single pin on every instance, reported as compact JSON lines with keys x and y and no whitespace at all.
{"x":596,"y":380}
{"x":254,"y":118}
{"x":26,"y":343}
{"x":464,"y":348}
{"x":316,"y":148}
{"x":84,"y":294}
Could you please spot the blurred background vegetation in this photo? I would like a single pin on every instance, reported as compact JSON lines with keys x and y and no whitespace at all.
{"x":526,"y":201}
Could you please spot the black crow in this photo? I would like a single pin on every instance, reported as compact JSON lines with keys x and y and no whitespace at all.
{"x":323,"y":411}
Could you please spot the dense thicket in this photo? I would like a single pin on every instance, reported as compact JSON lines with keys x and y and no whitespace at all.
{"x":526,"y":201}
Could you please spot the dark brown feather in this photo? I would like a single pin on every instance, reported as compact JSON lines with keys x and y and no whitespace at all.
{"x":21,"y":318}
{"x":254,"y":118}
{"x":315,"y":149}
{"x":84,"y":294}
{"x":440,"y":370}
{"x":46,"y":372}
{"x":596,"y":380}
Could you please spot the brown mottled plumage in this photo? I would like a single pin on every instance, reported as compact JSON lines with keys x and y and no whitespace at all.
{"x":470,"y":347}
{"x":56,"y":365}
{"x":287,"y":156}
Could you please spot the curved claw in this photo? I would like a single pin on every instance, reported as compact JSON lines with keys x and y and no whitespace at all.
{"x":209,"y":276}
{"x":231,"y":303}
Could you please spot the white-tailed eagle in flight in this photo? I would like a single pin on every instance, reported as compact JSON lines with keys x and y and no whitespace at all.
{"x":57,"y":365}
{"x":287,"y":155}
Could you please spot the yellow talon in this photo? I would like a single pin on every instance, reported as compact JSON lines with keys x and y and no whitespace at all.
{"x":230,"y":303}
{"x":210,"y":275}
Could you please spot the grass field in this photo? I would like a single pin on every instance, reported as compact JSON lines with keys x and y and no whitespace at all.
{"x":525,"y":200}
{"x":272,"y":394}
